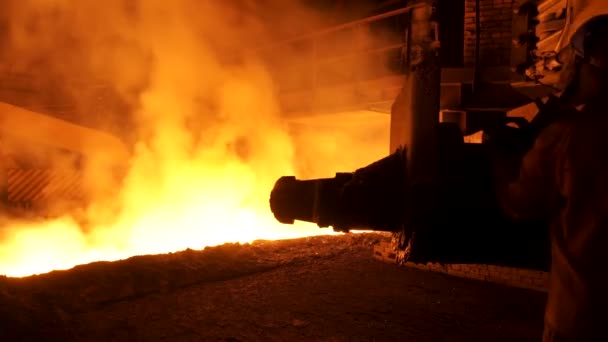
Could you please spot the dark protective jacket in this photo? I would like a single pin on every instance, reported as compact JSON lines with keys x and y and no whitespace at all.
{"x":564,"y":178}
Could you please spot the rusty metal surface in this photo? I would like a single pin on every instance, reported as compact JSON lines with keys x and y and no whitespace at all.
{"x":31,"y":186}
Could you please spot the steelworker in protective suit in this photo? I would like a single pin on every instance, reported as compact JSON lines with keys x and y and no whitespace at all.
{"x":564,"y":178}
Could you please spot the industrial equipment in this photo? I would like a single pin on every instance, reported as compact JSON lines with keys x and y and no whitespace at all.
{"x":435,"y":192}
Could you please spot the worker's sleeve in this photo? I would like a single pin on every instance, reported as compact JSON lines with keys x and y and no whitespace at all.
{"x":536,"y":193}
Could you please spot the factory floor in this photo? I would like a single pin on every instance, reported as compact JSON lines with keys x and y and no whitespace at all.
{"x":312,"y":289}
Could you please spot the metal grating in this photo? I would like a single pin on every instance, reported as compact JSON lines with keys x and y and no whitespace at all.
{"x":29,"y":186}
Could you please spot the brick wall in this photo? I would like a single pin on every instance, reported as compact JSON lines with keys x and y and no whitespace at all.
{"x":496,"y":32}
{"x":528,"y":279}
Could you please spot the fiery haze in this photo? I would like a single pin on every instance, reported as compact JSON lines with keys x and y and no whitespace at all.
{"x":208,"y":140}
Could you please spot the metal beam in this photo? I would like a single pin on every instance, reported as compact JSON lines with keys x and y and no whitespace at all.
{"x":415,"y":113}
{"x":349,"y":25}
{"x":23,"y":126}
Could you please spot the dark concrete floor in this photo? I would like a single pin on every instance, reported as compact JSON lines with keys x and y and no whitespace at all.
{"x":323,"y":289}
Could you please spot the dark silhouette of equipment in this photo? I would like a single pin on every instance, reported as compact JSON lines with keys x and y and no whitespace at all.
{"x":455,"y":220}
{"x":435,"y":193}
{"x":372,"y":197}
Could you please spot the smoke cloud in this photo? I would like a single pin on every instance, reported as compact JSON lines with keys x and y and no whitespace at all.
{"x":196,"y":109}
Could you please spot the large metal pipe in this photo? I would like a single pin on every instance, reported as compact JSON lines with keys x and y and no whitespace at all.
{"x":372,"y":197}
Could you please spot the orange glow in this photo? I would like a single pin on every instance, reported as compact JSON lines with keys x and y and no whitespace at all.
{"x":210,"y":144}
{"x":195,"y":200}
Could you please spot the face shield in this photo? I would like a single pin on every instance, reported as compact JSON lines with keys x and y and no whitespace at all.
{"x":583,"y":47}
{"x":560,"y":54}
{"x":591,"y":39}
{"x":569,"y":59}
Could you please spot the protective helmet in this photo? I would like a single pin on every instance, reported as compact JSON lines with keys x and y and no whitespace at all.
{"x":582,"y":43}
{"x":571,"y":23}
{"x":583,"y":18}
